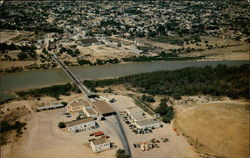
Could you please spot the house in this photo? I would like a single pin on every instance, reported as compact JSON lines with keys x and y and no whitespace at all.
{"x":52,"y":45}
{"x":98,"y":145}
{"x":79,"y":125}
{"x":148,"y":123}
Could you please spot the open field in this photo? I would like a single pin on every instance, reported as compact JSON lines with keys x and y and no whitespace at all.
{"x":232,"y":50}
{"x":7,"y":34}
{"x":222,"y":128}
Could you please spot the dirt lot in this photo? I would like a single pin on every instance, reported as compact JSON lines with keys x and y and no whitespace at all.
{"x":102,"y":52}
{"x":222,"y":128}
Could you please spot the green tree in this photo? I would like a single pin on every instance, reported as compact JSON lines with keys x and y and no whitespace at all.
{"x":61,"y":125}
{"x":22,"y":56}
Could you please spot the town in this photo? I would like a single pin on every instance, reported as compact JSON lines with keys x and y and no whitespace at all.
{"x":116,"y":32}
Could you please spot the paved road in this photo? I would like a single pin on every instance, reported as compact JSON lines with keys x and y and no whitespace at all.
{"x":77,"y":82}
{"x":115,"y":122}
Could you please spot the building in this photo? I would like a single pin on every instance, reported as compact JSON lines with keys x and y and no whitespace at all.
{"x":98,"y":145}
{"x":103,"y":109}
{"x":89,"y":42}
{"x":77,"y":106}
{"x":50,"y":106}
{"x":148,"y":123}
{"x":135,"y":110}
{"x":90,"y":112}
{"x":79,"y":125}
{"x":52,"y":45}
{"x":135,"y":113}
{"x":140,"y":119}
{"x":97,"y":109}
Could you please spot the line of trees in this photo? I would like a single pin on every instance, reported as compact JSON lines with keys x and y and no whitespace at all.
{"x":53,"y":91}
{"x":220,"y":80}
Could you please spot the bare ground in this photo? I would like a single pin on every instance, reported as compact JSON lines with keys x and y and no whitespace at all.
{"x":221,"y":128}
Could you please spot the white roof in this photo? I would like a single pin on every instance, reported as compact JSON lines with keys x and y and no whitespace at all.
{"x":147,"y":122}
{"x":134,"y":109}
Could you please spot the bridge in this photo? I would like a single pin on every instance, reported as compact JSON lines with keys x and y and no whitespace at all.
{"x":76,"y":81}
{"x":86,"y":92}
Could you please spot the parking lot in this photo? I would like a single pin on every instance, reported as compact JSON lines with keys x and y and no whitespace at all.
{"x":166,"y":142}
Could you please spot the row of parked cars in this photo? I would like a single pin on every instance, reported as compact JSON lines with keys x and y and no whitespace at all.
{"x":134,"y":128}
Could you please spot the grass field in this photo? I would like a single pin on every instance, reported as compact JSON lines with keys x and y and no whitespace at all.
{"x":219,"y":128}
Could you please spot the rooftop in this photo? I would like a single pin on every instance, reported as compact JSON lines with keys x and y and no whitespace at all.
{"x":134,"y":109}
{"x":80,"y":103}
{"x":77,"y":122}
{"x":138,"y":117}
{"x":89,"y":40}
{"x":147,"y":122}
{"x":102,"y":107}
{"x":91,"y":111}
{"x":100,"y":141}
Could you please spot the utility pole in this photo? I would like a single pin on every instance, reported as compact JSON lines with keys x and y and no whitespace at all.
{"x":196,"y":143}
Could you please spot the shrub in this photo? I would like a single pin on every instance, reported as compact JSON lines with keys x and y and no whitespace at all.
{"x":120,"y":153}
{"x":61,"y":125}
{"x":147,"y":98}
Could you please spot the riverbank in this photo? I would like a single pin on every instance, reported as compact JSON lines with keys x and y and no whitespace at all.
{"x":11,"y":82}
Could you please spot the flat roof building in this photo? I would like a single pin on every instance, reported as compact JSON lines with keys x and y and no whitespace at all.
{"x":77,"y":106}
{"x":82,"y":124}
{"x":134,"y":110}
{"x":102,"y":108}
{"x":148,"y":123}
{"x":90,"y":112}
{"x":98,"y":145}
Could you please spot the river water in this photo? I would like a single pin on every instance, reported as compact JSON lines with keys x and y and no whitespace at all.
{"x":38,"y":78}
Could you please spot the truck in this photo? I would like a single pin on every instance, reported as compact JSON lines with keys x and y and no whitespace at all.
{"x":99,"y":133}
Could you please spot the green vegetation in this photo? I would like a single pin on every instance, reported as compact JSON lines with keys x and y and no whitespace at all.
{"x":165,"y":57}
{"x":61,"y":125}
{"x":5,"y":126}
{"x":166,"y":112}
{"x":120,"y":153}
{"x":84,"y":62}
{"x":220,"y":80}
{"x":4,"y":98}
{"x":167,"y":39}
{"x":148,"y":98}
{"x":53,"y":91}
{"x":73,"y":53}
{"x":22,"y":56}
{"x":143,"y":106}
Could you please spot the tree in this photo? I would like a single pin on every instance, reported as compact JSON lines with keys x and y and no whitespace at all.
{"x":148,"y":98}
{"x":120,"y":153}
{"x":22,"y":56}
{"x":61,"y":125}
{"x":64,"y":103}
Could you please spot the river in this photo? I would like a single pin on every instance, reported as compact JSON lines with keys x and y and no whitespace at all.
{"x":10,"y":82}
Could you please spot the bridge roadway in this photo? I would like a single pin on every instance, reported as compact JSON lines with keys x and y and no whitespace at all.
{"x":87,"y":92}
{"x":77,"y":82}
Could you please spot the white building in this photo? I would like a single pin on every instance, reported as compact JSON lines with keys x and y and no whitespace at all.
{"x":135,"y":110}
{"x":148,"y":123}
{"x":82,"y":124}
{"x":98,"y":145}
